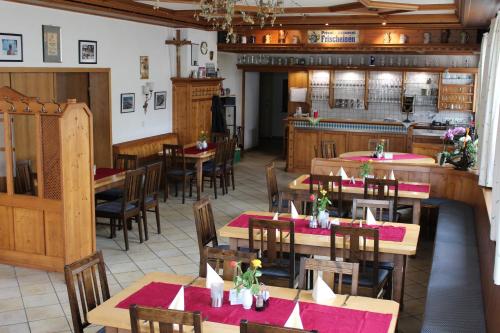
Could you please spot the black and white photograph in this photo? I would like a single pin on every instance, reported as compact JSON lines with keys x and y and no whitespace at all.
{"x":160,"y":100}
{"x":11,"y":47}
{"x":87,"y":52}
{"x":127,"y":103}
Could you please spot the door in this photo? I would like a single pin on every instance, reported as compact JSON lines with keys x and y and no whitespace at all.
{"x":100,"y":105}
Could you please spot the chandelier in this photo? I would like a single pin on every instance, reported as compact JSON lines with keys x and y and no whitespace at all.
{"x":220,"y":13}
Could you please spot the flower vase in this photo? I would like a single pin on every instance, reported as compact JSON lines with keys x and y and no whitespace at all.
{"x":247,"y":298}
{"x":199,"y":145}
{"x":323,"y":219}
{"x":204,"y":144}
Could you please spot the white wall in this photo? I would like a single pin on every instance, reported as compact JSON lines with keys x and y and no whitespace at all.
{"x":251,"y":109}
{"x":232,"y":75}
{"x":119,"y":46}
{"x":197,"y":37}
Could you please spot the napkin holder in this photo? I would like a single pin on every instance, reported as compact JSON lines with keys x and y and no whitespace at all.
{"x":235,"y":297}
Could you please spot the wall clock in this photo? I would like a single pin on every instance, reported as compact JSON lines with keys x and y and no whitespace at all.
{"x":204,"y":48}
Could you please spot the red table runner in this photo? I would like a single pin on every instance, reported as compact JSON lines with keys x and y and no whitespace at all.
{"x":105,"y":172}
{"x":395,"y":157}
{"x":424,"y":188}
{"x":325,"y":319}
{"x":386,"y":233}
{"x":195,"y":150}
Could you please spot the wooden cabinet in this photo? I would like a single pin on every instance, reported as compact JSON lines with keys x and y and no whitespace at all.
{"x":457,"y":92}
{"x":339,"y":138}
{"x":303,"y":144}
{"x":192,"y":103}
{"x":397,"y":143}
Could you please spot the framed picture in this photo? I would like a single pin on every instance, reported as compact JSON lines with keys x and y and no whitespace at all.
{"x":11,"y":47}
{"x":160,"y":100}
{"x":51,"y":36}
{"x":195,"y":50}
{"x":144,"y":67}
{"x":87,"y":52}
{"x":127,"y":103}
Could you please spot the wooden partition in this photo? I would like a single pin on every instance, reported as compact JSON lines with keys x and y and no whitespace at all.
{"x":146,"y":149}
{"x":53,"y":224}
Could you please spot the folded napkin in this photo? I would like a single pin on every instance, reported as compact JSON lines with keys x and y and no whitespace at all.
{"x":178,"y":302}
{"x":295,"y":214}
{"x":391,"y":176}
{"x":342,"y":174}
{"x":294,"y":320}
{"x":212,"y":277}
{"x":370,"y":219}
{"x":331,"y":173}
{"x":322,"y":293}
{"x":275,"y":217}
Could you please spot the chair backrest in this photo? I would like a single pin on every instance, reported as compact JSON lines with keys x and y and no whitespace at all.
{"x":354,"y":249}
{"x":231,"y":147}
{"x":125,"y":162}
{"x":334,"y":268}
{"x":326,"y":149}
{"x":220,"y":153}
{"x":220,"y":136}
{"x":221,"y":259}
{"x":271,"y":242}
{"x":87,"y":287}
{"x":248,"y":327}
{"x":173,"y":157}
{"x":205,"y":225}
{"x":301,"y":200}
{"x":152,"y":180}
{"x":132,"y":192}
{"x":372,"y":144}
{"x":381,"y":189}
{"x":166,"y":319}
{"x":377,"y":207}
{"x":332,"y":184}
{"x":272,"y":186}
{"x":25,"y":180}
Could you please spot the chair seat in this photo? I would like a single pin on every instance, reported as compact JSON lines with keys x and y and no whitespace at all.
{"x":210,"y":168}
{"x":113,"y":207}
{"x":281,"y":271}
{"x":226,"y":247}
{"x":110,"y":195}
{"x":383,"y":264}
{"x":335,"y":213}
{"x":365,"y":278}
{"x":180,"y":172}
{"x":149,"y":199}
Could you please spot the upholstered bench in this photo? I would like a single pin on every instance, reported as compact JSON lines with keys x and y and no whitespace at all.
{"x":454,"y":299}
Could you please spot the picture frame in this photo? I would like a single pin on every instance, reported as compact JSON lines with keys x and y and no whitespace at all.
{"x":87,"y":52}
{"x":127,"y":103}
{"x":195,"y":49}
{"x":11,"y":47}
{"x":160,"y":100}
{"x":144,"y":67}
{"x":51,"y":37}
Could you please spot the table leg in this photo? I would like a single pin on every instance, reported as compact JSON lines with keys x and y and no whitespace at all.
{"x":233,"y":243}
{"x":416,"y":211}
{"x":398,"y":278}
{"x":199,"y":178}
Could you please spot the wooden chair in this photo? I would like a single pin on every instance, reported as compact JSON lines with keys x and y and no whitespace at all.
{"x":382,"y":209}
{"x":127,"y":208}
{"x":174,"y":164}
{"x":220,"y":136}
{"x":325,"y":182}
{"x":372,"y":278}
{"x":88,"y":275}
{"x":221,"y":259}
{"x":229,"y":167}
{"x":337,"y":268}
{"x":379,"y":189}
{"x":151,"y":192}
{"x":301,"y":200}
{"x":278,"y":258}
{"x":25,"y":180}
{"x":123,"y":162}
{"x":248,"y":327}
{"x":166,"y":319}
{"x":372,"y":144}
{"x":272,"y":187}
{"x":327,"y":149}
{"x":205,"y":226}
{"x":216,"y":168}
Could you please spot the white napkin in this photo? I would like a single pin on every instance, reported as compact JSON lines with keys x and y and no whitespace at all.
{"x":342,"y":174}
{"x":322,"y":293}
{"x":178,"y":302}
{"x":335,"y":221}
{"x":391,"y":176}
{"x":212,"y":277}
{"x":370,"y":219}
{"x":275,"y":217}
{"x":295,"y":214}
{"x":294,"y":320}
{"x":331,"y":173}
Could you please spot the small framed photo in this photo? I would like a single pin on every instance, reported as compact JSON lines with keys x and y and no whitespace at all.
{"x":11,"y":47}
{"x":87,"y":52}
{"x":144,"y":67}
{"x":51,"y":43}
{"x":127,"y":103}
{"x":160,"y":100}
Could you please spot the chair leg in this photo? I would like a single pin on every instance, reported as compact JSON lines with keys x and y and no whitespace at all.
{"x":145,"y":222}
{"x":157,"y":213}
{"x":125,"y":234}
{"x":166,"y":191}
{"x":191,"y":187}
{"x":176,"y":188}
{"x":232,"y":177}
{"x":140,"y":225}
{"x":112,"y":227}
{"x":183,"y":190}
{"x":214,"y":181}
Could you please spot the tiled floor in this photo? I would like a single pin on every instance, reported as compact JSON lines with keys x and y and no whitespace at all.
{"x":36,"y":301}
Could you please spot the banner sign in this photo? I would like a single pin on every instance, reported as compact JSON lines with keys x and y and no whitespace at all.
{"x":333,"y":36}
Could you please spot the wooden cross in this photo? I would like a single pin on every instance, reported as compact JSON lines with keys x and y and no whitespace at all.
{"x":178,"y":43}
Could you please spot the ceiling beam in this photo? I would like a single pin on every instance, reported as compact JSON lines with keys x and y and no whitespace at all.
{"x":388,"y":5}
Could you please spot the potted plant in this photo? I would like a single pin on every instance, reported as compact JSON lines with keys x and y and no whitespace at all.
{"x":364,"y":170}
{"x":449,"y":136}
{"x":323,"y":215}
{"x":379,"y":150}
{"x":465,"y":154}
{"x":247,"y":282}
{"x":202,"y":141}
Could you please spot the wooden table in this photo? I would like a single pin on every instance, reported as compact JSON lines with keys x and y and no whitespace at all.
{"x":118,"y":320}
{"x":113,"y":181}
{"x":410,"y":198}
{"x":426,"y":160}
{"x":395,"y":252}
{"x":198,"y":159}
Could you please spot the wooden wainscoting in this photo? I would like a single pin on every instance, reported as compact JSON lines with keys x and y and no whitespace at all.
{"x":147,"y":148}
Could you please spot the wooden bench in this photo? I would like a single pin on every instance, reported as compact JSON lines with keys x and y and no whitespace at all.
{"x":147,"y":148}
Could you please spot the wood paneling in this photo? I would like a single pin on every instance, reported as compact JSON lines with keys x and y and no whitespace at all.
{"x":99,"y":91}
{"x":297,"y":80}
{"x":146,"y":149}
{"x":72,"y":86}
{"x":339,"y":138}
{"x":29,"y":231}
{"x":6,"y":228}
{"x":304,"y":142}
{"x":54,"y":233}
{"x":359,"y":141}
{"x":34,"y":84}
{"x":4,"y":79}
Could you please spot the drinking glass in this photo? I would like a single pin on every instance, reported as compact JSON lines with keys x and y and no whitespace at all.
{"x":217,"y":294}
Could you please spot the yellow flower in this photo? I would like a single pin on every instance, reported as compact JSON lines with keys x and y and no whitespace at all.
{"x":256,"y":263}
{"x":324,"y":192}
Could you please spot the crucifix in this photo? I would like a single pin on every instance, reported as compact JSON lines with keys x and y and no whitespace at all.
{"x":178,"y":43}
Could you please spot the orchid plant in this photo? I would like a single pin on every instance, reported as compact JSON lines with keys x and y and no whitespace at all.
{"x":248,"y":279}
{"x":465,"y":153}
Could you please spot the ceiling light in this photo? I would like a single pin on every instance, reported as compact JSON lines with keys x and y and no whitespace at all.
{"x":326,"y":23}
{"x":384,"y":23}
